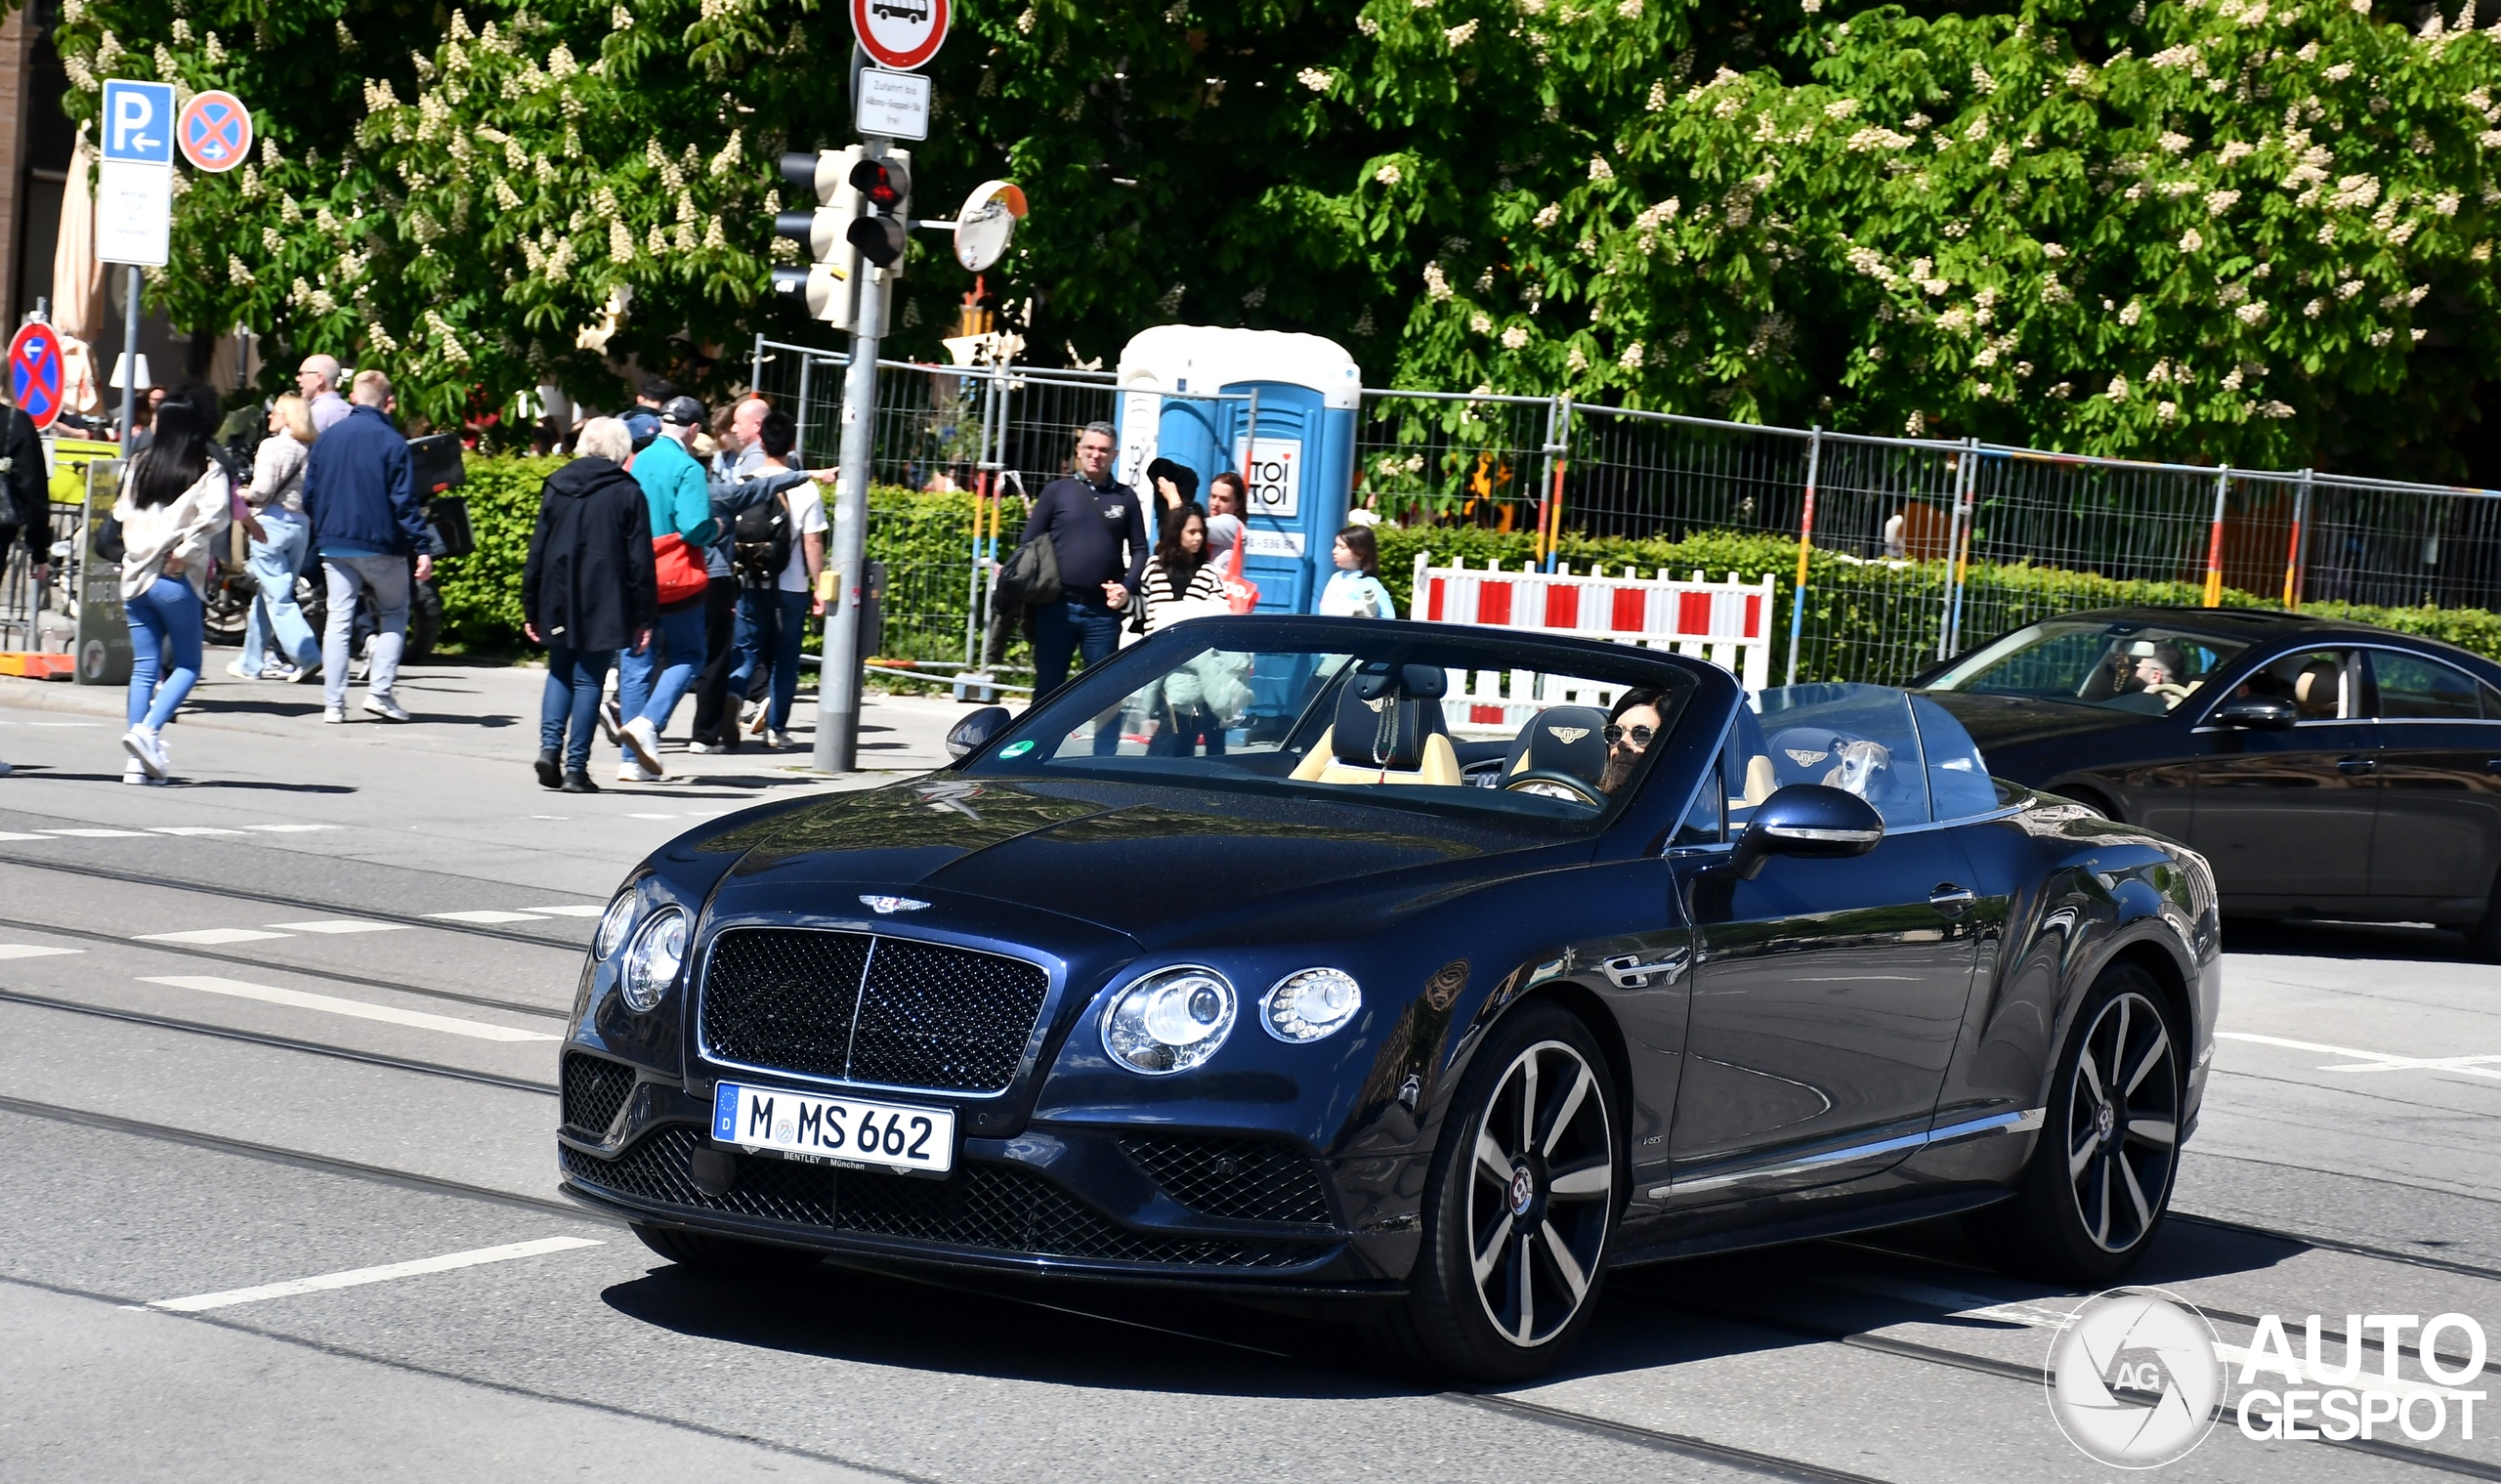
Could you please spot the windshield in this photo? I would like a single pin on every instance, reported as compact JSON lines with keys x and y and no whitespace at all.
{"x":1368,"y":712}
{"x":2126,"y":666}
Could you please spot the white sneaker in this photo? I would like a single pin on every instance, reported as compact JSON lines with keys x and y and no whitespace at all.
{"x":334,"y":715}
{"x":132,"y":773}
{"x":142,"y":744}
{"x":382,"y":705}
{"x":629,"y":770}
{"x":304,"y":673}
{"x":278,"y":671}
{"x":235,"y":668}
{"x":703,"y":747}
{"x":778,"y":741}
{"x":642,"y":744}
{"x":610,"y":722}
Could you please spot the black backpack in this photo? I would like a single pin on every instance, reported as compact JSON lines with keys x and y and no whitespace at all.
{"x":760,"y":542}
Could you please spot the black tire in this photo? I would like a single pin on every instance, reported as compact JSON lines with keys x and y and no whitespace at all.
{"x":1495,"y":1319}
{"x":2100,"y":1181}
{"x":724,"y":1254}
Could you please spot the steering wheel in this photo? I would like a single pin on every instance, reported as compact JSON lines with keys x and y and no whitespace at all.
{"x":1555,"y":783}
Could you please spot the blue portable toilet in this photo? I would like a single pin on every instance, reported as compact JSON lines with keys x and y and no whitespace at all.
{"x":1186,"y":394}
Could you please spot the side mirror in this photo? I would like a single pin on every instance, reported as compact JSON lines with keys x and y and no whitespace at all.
{"x":2257,"y":714}
{"x":1811,"y":819}
{"x":966,"y":736}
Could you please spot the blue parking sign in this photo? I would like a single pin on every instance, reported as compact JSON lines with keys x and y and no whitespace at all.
{"x":138,"y":122}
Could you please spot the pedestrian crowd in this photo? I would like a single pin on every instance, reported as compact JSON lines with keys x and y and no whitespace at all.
{"x":677,"y":552}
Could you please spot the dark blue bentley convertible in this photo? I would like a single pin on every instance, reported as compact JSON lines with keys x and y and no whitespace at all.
{"x":1312,"y":960}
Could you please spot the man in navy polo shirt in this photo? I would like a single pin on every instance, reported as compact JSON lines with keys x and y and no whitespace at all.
{"x":1101,"y":539}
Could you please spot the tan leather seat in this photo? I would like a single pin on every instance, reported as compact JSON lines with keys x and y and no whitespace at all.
{"x":1389,"y":729}
{"x":2320,"y":690}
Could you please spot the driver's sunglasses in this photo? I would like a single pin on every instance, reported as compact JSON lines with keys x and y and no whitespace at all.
{"x":1614,"y":736}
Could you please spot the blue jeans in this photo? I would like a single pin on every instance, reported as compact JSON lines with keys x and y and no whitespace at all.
{"x":679,"y":636}
{"x":772,"y":628}
{"x":1063,"y":629}
{"x":574,"y":680}
{"x":274,"y":564}
{"x":164,"y":640}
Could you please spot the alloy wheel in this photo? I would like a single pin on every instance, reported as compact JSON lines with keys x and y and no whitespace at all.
{"x":1542,"y":1193}
{"x":2122,"y":1121}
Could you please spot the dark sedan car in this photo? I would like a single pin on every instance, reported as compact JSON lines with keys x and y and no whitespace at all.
{"x":2325,"y":769}
{"x":1307,"y":959}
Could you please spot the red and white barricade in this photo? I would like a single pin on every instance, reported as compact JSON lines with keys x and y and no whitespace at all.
{"x":1728,"y":624}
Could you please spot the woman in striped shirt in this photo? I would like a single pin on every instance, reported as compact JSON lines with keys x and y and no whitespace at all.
{"x":1180,"y":582}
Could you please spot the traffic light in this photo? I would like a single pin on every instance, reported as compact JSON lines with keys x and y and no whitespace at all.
{"x":830,"y":285}
{"x":882,"y":226}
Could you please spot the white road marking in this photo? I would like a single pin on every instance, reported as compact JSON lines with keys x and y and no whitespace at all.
{"x":361,"y":1009}
{"x":650,"y":816}
{"x":208,"y":935}
{"x":61,"y":724}
{"x":189,"y":829}
{"x":292,"y":828}
{"x":2375,"y":1061}
{"x":488,"y":916}
{"x":12,"y":834}
{"x":341,"y":925}
{"x":99,"y":835}
{"x":33,"y":950}
{"x":357,"y":1277}
{"x":572,"y":909}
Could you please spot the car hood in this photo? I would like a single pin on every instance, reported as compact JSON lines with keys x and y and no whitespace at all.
{"x":2011,"y":721}
{"x":1144,"y":859}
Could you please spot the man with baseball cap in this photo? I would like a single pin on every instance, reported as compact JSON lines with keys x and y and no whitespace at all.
{"x":682,"y":526}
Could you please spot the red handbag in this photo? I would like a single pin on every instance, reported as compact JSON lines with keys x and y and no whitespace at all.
{"x":679,"y":567}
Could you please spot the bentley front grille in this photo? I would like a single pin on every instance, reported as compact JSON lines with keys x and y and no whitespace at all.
{"x":864,"y":1008}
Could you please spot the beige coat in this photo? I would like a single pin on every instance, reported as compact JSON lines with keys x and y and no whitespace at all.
{"x":185,"y":529}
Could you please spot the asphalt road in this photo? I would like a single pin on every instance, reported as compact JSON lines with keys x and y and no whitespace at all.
{"x":294,"y":1019}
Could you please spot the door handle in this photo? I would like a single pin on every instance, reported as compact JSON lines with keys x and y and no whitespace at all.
{"x":2357,"y":765}
{"x":1627,"y":971}
{"x":1952,"y":900}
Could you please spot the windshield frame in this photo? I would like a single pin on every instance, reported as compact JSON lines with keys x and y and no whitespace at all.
{"x":1088,"y":695}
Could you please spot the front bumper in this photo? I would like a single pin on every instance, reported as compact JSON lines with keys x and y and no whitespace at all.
{"x":1147,"y":1204}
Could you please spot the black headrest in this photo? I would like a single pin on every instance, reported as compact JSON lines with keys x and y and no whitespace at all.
{"x":1421,"y":682}
{"x":1566,"y":739}
{"x":1387,"y":727}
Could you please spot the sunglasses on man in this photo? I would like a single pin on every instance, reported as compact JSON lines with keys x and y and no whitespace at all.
{"x":1640,"y":735}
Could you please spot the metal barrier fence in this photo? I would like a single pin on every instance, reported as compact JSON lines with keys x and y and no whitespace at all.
{"x":1926,"y":546}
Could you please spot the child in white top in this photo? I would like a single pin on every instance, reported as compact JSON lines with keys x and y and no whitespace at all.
{"x":1354,"y":589}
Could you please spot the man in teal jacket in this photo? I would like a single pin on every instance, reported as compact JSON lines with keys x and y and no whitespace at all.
{"x":681,"y":506}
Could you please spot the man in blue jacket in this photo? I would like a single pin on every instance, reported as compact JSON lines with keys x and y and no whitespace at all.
{"x":366,"y":522}
{"x":650,"y":681}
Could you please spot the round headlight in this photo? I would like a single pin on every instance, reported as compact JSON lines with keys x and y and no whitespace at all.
{"x":1311,"y":1003}
{"x":1168,"y":1021}
{"x":651,"y":964}
{"x":613,"y":924}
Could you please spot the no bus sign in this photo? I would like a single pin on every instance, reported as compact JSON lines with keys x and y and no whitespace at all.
{"x":899,"y":34}
{"x":215,"y":130}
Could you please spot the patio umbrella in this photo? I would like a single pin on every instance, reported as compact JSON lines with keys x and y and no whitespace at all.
{"x":78,"y":279}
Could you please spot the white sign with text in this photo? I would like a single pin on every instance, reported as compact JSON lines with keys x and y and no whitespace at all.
{"x":134,"y":212}
{"x":893,"y":104}
{"x":1276,"y":475}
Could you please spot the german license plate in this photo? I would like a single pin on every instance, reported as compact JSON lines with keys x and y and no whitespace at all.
{"x":835,"y":1131}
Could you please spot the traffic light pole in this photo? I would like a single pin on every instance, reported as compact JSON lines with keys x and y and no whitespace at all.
{"x":838,"y":749}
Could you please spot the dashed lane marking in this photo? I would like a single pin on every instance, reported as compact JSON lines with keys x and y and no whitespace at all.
{"x":341,"y":925}
{"x":650,"y":816}
{"x":33,"y":950}
{"x":292,"y":828}
{"x":189,"y":829}
{"x":487,"y":916}
{"x":97,"y":834}
{"x":357,"y":1277}
{"x":270,"y":994}
{"x":2375,"y":1061}
{"x":205,"y":936}
{"x":572,"y":910}
{"x":12,"y":834}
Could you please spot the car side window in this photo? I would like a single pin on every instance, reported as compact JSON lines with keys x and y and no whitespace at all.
{"x":2322,"y":685}
{"x":1858,"y":738}
{"x":1701,"y":821}
{"x":2412,"y":687}
{"x":1958,"y":781}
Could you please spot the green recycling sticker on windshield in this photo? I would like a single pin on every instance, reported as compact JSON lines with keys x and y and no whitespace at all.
{"x":1016,"y":750}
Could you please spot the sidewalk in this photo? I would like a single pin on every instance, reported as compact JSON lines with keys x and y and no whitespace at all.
{"x":491,"y":712}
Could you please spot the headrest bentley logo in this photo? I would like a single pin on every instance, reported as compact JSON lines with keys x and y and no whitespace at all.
{"x":1567,"y":735}
{"x":885,"y":905}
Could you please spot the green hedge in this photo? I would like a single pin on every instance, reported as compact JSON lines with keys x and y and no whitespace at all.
{"x":1864,"y":621}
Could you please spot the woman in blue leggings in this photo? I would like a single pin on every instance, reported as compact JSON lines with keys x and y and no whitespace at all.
{"x":174,"y":507}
